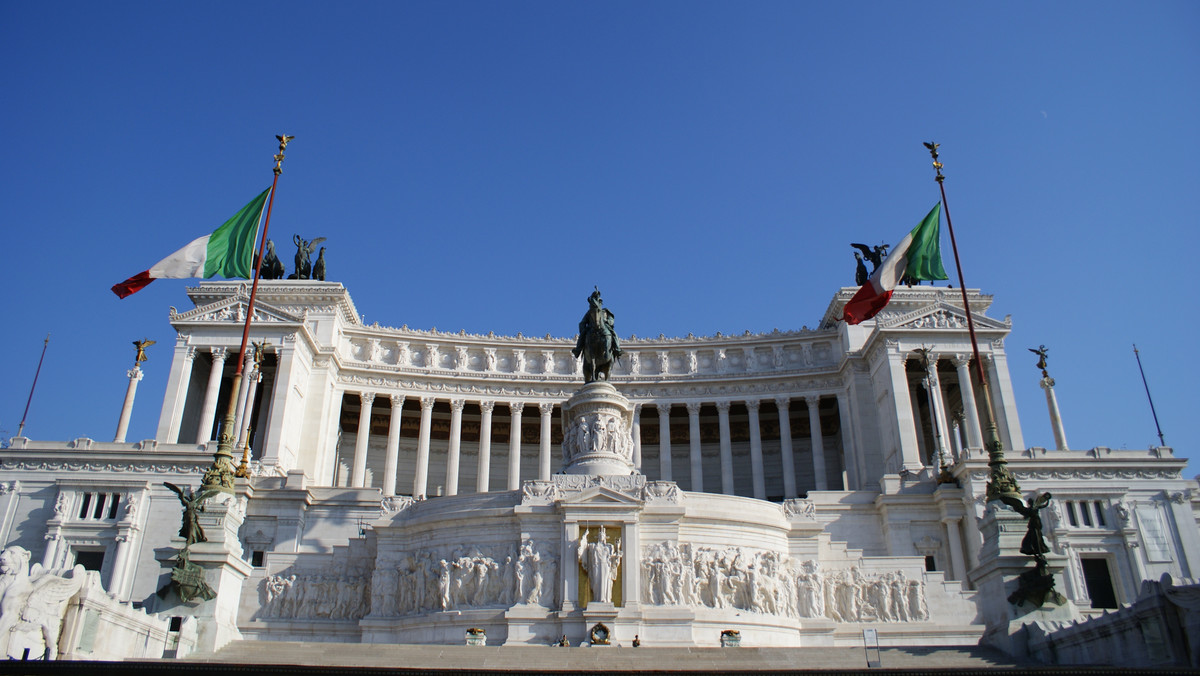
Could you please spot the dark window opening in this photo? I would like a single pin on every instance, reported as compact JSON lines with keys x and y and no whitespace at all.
{"x":1086,"y":511}
{"x":99,"y":513}
{"x":256,"y":558}
{"x":90,"y":560}
{"x":930,"y":564}
{"x":113,"y":503}
{"x":176,"y":624}
{"x":83,"y":509}
{"x":1071,"y":514}
{"x":1098,"y":580}
{"x":1100,"y":515}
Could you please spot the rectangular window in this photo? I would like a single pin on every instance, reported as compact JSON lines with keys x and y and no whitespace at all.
{"x":1071,"y":514}
{"x":83,"y":507}
{"x":1098,"y":579}
{"x":90,"y":560}
{"x":113,"y":502}
{"x":1100,"y":514}
{"x":1086,"y":512}
{"x":256,"y":559}
{"x":930,"y":564}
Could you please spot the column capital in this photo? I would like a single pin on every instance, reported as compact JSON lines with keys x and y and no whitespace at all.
{"x":1047,"y":383}
{"x":189,"y":353}
{"x":516,"y":407}
{"x":367,"y":398}
{"x":693,"y":407}
{"x":753,"y":404}
{"x":782,"y":403}
{"x":135,"y":373}
{"x":218,"y":353}
{"x":487,"y":406}
{"x":723,"y":406}
{"x":637,"y":408}
{"x":812,"y":400}
{"x":546,"y":407}
{"x":456,"y":405}
{"x":397,"y":400}
{"x":663,"y":409}
{"x":960,"y":361}
{"x":427,"y":403}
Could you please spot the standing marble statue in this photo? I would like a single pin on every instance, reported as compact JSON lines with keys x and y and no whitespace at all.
{"x":33,"y":603}
{"x":597,"y":342}
{"x":602,"y":561}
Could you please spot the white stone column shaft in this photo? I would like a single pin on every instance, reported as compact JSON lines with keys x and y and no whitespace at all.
{"x":697,"y":464}
{"x":756,"y":454}
{"x":726,"y":448}
{"x":178,"y":383}
{"x":391,"y":461}
{"x":208,"y":413}
{"x":786,"y":453}
{"x":250,"y":387}
{"x":452,"y":453}
{"x":1060,"y":434}
{"x":546,"y":409}
{"x":664,"y":442}
{"x":851,"y":456}
{"x":637,"y":436}
{"x":421,"y":476}
{"x":135,"y":375}
{"x":1003,"y":398}
{"x":358,"y":475}
{"x":818,"y":442}
{"x":240,"y":407}
{"x":483,"y":481}
{"x":941,"y":431}
{"x":970,"y":409}
{"x":956,"y":550}
{"x":910,"y":454}
{"x":514,"y":445}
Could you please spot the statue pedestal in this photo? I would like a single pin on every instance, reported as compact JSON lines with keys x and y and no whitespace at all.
{"x":997,"y":577}
{"x":597,"y":431}
{"x":224,"y":571}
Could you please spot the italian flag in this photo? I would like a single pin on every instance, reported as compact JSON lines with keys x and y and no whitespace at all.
{"x":918,"y":257}
{"x":228,"y":251}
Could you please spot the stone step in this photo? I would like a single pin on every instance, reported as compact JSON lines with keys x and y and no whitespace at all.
{"x":595,"y":659}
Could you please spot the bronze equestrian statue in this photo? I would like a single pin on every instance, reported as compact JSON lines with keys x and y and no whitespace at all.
{"x":597,"y":343}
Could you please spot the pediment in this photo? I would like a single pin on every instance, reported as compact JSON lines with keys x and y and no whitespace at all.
{"x":937,"y":316}
{"x":233,"y":309}
{"x":600,"y":496}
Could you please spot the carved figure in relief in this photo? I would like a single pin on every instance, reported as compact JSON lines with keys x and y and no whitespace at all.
{"x":602,"y":562}
{"x":597,"y":343}
{"x":33,"y":603}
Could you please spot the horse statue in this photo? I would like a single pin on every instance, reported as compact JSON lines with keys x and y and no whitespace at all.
{"x":597,"y":343}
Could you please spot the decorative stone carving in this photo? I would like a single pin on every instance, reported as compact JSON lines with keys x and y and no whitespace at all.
{"x":602,"y":561}
{"x":539,"y":493}
{"x":33,"y":604}
{"x":800,"y":508}
{"x":326,"y":595}
{"x":597,"y":431}
{"x":662,"y":491}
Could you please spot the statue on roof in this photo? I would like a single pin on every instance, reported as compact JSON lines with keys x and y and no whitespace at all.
{"x":141,"y":346}
{"x":272,"y":267}
{"x":875,"y":255}
{"x":1041,"y":364}
{"x":597,"y":343}
{"x":304,"y":250}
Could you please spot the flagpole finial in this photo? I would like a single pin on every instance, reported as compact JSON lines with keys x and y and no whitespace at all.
{"x":284,"y":139}
{"x":933,"y":152}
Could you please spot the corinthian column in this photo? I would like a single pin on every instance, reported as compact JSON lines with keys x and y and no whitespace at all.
{"x":726,"y":448}
{"x":209,"y":411}
{"x":697,"y":467}
{"x":664,"y":442}
{"x":135,"y":375}
{"x":392,"y":456}
{"x":485,"y":446}
{"x":756,"y":456}
{"x":358,"y":476}
{"x":421,"y":476}
{"x":967,"y":391}
{"x":785,"y":447}
{"x":1060,"y":434}
{"x":818,"y":442}
{"x":546,"y":409}
{"x":637,"y":436}
{"x":456,"y":408}
{"x":514,"y":445}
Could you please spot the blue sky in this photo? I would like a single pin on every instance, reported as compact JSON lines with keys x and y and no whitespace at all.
{"x":481,"y":165}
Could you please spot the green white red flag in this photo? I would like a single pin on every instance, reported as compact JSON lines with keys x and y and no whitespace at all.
{"x":918,"y":257}
{"x":228,"y":251}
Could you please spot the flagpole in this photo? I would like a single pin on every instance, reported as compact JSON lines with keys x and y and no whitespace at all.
{"x":1145,"y":384}
{"x":21,"y":427}
{"x":220,"y":476}
{"x":1002,"y":484}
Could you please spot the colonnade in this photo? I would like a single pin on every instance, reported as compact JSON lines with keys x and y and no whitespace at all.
{"x":422,"y":470}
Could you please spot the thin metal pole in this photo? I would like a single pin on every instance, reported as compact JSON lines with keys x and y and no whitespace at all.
{"x":1147,"y":386}
{"x":220,"y":475}
{"x":21,"y":427}
{"x":1003,"y":483}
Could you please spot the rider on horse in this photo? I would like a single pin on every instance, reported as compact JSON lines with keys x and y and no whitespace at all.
{"x":597,"y":341}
